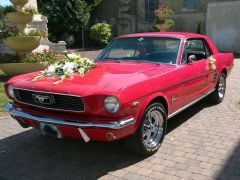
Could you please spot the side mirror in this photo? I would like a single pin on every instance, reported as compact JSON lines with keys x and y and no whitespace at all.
{"x":191,"y":59}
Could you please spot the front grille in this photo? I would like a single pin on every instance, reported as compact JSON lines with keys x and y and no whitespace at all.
{"x":52,"y":101}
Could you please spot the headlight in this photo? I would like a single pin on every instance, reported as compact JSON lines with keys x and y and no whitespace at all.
{"x":111,"y":104}
{"x":10,"y":91}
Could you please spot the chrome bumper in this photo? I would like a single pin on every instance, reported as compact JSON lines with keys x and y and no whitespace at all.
{"x":18,"y":113}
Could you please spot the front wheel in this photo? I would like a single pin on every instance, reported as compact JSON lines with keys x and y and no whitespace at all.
{"x":219,"y":92}
{"x":151,"y":131}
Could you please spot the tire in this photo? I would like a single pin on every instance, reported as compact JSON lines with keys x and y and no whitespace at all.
{"x":151,"y":131}
{"x":218,"y":94}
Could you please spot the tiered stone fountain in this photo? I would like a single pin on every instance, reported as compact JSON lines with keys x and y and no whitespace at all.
{"x":21,"y":19}
{"x":26,"y":22}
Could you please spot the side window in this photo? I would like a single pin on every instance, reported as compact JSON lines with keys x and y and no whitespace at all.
{"x":208,"y":52}
{"x":196,"y":47}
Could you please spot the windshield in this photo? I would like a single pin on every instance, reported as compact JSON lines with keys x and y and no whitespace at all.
{"x":163,"y":50}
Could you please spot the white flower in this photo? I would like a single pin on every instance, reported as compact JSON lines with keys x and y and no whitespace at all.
{"x":81,"y":71}
{"x":51,"y":70}
{"x":72,"y":55}
{"x":66,"y":69}
{"x":70,"y":66}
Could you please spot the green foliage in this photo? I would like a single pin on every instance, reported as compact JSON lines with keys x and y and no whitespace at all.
{"x":45,"y":57}
{"x":8,"y":9}
{"x":8,"y":32}
{"x":3,"y":98}
{"x":33,"y":33}
{"x":238,"y":104}
{"x":100,"y":33}
{"x":10,"y":58}
{"x":29,"y":10}
{"x":66,"y":17}
{"x":164,"y":9}
{"x":169,"y":22}
{"x":13,"y":31}
{"x":3,"y":12}
{"x":1,"y":17}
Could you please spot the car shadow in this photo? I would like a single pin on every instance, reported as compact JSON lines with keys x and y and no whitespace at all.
{"x":30,"y":155}
{"x":185,"y":115}
{"x":230,"y":168}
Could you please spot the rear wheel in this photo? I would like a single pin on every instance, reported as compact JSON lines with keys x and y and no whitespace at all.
{"x":151,"y":131}
{"x":219,"y":92}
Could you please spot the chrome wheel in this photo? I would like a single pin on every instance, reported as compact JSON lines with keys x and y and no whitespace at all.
{"x":218,"y":94}
{"x":221,"y":86}
{"x":152,"y":129}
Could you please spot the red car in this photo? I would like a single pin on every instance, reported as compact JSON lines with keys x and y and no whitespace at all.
{"x":140,"y":81}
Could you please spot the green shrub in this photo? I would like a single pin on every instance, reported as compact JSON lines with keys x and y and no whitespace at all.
{"x":101,"y":33}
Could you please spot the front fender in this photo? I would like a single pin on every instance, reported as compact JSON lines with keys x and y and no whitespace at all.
{"x":146,"y":103}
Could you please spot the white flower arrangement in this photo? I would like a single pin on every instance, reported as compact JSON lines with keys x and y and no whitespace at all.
{"x":212,"y":62}
{"x":66,"y":67}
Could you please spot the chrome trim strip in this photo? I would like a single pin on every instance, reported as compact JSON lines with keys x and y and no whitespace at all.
{"x":49,"y":108}
{"x":190,"y":104}
{"x":112,"y":125}
{"x":48,"y":92}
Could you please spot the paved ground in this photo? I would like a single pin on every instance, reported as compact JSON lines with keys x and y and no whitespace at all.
{"x":203,"y":142}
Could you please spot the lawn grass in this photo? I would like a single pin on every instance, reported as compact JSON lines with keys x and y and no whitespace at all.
{"x":2,"y":73}
{"x":3,"y":98}
{"x":238,"y":104}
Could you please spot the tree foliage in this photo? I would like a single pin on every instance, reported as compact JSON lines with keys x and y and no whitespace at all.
{"x":66,"y":17}
{"x":1,"y":17}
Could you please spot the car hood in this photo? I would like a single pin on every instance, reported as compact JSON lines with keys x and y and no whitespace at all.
{"x":105,"y":78}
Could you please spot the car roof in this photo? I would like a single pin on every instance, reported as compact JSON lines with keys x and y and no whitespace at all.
{"x":165,"y":34}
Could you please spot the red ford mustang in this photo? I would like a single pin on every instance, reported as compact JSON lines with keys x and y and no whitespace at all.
{"x":140,"y":81}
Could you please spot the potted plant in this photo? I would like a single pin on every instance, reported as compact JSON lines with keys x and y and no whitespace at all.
{"x":163,"y":12}
{"x":164,"y":24}
{"x":162,"y":20}
{"x":20,"y":64}
{"x":22,"y":16}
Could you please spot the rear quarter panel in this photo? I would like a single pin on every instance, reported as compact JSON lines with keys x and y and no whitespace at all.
{"x":225,"y":61}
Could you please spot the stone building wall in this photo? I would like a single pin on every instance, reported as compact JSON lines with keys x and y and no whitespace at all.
{"x":128,"y":16}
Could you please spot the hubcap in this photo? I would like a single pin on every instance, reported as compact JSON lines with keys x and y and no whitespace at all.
{"x":221,"y":86}
{"x":152,"y":129}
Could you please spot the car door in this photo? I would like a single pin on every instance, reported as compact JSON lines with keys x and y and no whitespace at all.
{"x":194,"y":70}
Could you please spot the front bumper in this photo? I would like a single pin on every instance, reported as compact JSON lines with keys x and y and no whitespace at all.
{"x":116,"y":126}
